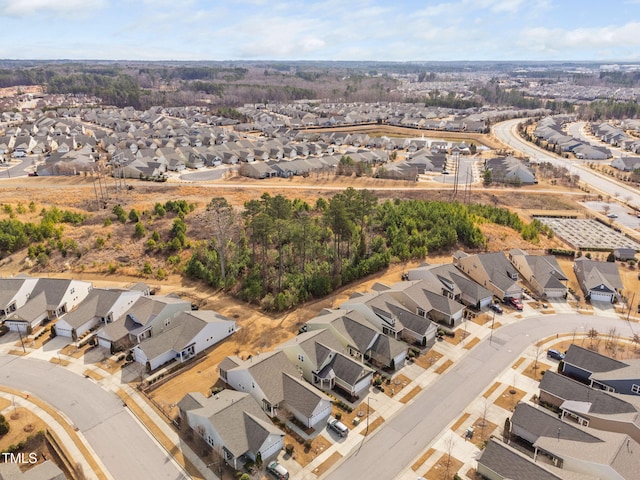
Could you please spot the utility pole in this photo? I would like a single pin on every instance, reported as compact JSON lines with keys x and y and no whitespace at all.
{"x":492,"y":322}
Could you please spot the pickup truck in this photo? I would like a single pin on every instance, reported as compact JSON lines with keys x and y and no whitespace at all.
{"x":337,"y":426}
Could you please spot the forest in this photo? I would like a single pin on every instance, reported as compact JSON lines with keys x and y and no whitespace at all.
{"x":279,"y":252}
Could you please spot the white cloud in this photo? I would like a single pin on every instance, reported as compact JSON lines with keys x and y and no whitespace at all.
{"x":20,"y":8}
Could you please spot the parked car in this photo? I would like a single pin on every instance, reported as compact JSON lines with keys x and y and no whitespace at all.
{"x":516,"y":303}
{"x":278,"y":471}
{"x":338,"y":427}
{"x":555,"y":354}
{"x":496,"y":308}
{"x":612,"y":215}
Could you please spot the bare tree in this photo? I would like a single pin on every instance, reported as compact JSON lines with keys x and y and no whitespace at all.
{"x":449,"y":443}
{"x":222,"y":218}
{"x":538,"y":349}
{"x":636,"y":342}
{"x":592,"y":335}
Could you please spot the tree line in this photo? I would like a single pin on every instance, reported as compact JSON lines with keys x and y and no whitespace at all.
{"x":279,"y":252}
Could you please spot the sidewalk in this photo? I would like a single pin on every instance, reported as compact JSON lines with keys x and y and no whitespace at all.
{"x":73,"y":443}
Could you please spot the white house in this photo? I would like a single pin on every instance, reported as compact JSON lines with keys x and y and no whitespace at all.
{"x":49,"y":299}
{"x":145,"y":316}
{"x":233,"y":424}
{"x":185,"y":335}
{"x":101,"y":307}
{"x":276,"y":384}
{"x":14,"y":293}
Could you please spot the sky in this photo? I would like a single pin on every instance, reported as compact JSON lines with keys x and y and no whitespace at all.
{"x":375,"y":30}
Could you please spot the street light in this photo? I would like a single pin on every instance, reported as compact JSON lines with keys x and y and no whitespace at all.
{"x":492,"y":322}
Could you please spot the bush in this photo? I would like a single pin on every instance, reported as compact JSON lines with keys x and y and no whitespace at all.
{"x":4,"y":425}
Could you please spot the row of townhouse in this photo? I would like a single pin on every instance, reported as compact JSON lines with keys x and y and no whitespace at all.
{"x":550,"y":130}
{"x":594,"y":432}
{"x":157,"y":329}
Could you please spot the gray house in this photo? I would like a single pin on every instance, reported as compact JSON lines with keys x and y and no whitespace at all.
{"x":600,"y":281}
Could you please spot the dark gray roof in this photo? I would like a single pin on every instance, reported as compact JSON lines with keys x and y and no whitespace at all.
{"x":300,"y":395}
{"x":237,"y":418}
{"x":508,"y":463}
{"x":591,"y":274}
{"x":98,"y":303}
{"x":600,"y":402}
{"x":546,"y":270}
{"x":542,"y":423}
{"x":591,"y":361}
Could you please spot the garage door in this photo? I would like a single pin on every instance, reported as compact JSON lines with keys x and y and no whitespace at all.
{"x":601,"y":297}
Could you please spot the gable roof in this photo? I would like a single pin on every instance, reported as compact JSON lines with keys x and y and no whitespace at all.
{"x":587,"y":399}
{"x":509,"y":463}
{"x":542,"y":423}
{"x":236,"y":417}
{"x":591,"y":361}
{"x":592,"y":274}
{"x":300,"y":395}
{"x":98,"y":303}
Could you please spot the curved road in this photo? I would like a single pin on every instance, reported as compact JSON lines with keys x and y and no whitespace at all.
{"x":505,"y":132}
{"x":123,"y":445}
{"x":403,"y":437}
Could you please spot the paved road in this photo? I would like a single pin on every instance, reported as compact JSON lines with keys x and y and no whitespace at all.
{"x":122,"y":444}
{"x":403,"y":437}
{"x":504,"y":131}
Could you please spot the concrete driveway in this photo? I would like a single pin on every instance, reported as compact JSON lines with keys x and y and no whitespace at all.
{"x":403,"y":437}
{"x":120,"y":441}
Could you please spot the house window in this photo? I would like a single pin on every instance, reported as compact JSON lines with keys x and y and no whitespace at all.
{"x":301,"y":358}
{"x":72,"y":291}
{"x":421,"y":312}
{"x":635,"y":389}
{"x":167,"y":322}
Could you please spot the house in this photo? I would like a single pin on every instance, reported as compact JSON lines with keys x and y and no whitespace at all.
{"x":591,"y":407}
{"x":49,"y":299}
{"x":317,"y":356}
{"x":275,"y":383}
{"x":452,"y":283}
{"x":187,"y":334}
{"x":574,"y":448}
{"x":14,"y":293}
{"x":46,"y":470}
{"x":542,"y":272}
{"x":140,"y":321}
{"x":391,"y":317}
{"x":361,"y":339}
{"x":624,"y":254}
{"x":499,"y":461}
{"x":493,"y":271}
{"x":600,"y":371}
{"x":233,"y":424}
{"x":600,"y":281}
{"x":100,"y":307}
{"x":510,"y":170}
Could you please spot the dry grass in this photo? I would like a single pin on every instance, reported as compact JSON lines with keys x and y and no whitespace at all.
{"x":508,"y":400}
{"x":428,"y":359}
{"x":22,"y":423}
{"x":397,"y":384}
{"x":492,"y":389}
{"x":72,"y":351}
{"x":407,"y":398}
{"x":373,"y":425}
{"x":19,"y":353}
{"x":4,"y":403}
{"x":361,"y":412}
{"x":482,"y":318}
{"x":472,"y":343}
{"x":440,"y":471}
{"x":442,"y":368}
{"x":482,"y":431}
{"x":517,"y":363}
{"x":93,"y":374}
{"x":463,"y":418}
{"x":60,"y":361}
{"x":425,"y":456}
{"x":305,"y":456}
{"x":536,"y":373}
{"x":497,"y":325}
{"x":327,"y":464}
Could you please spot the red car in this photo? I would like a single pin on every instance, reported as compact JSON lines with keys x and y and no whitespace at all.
{"x":515,"y":303}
